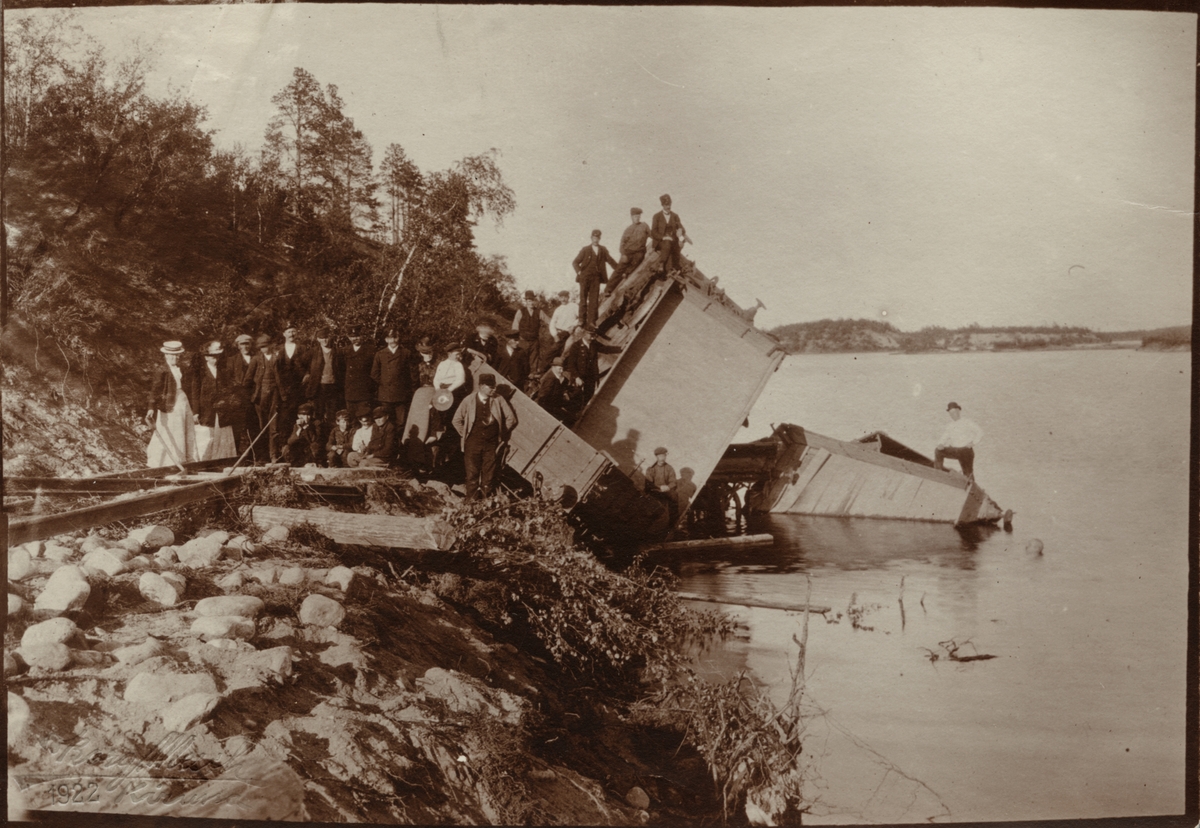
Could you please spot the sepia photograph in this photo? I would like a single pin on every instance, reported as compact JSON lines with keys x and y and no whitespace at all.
{"x":672,"y":415}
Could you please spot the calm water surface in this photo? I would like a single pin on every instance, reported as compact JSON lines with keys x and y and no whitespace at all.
{"x":1081,"y":713}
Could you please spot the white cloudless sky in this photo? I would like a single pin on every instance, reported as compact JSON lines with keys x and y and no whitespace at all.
{"x":923,"y":166}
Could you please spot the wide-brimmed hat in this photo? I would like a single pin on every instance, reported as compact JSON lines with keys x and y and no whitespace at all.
{"x":172,"y":347}
{"x":214,"y":348}
{"x":442,"y":400}
{"x":425,"y":346}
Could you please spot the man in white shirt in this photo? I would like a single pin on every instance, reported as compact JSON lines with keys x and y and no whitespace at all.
{"x":565,"y":318}
{"x":958,"y":441}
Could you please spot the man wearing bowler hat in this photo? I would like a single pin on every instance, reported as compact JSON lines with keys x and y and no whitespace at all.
{"x":591,"y":271}
{"x":483,"y":421}
{"x":958,"y":441}
{"x":633,"y":249}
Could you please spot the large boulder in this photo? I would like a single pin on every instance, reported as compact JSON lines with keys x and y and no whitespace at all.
{"x":156,"y":588}
{"x":67,"y":589}
{"x":275,"y":534}
{"x":223,"y":626}
{"x":232,"y":582}
{"x":245,"y":605}
{"x":54,"y":631}
{"x":200,"y":552}
{"x":319,"y":611}
{"x":20,"y":564}
{"x":57,"y":553}
{"x":47,"y":656}
{"x":341,"y":577}
{"x":292,"y":576}
{"x":152,"y":537}
{"x":188,"y":711}
{"x":106,"y":561}
{"x":137,"y":653}
{"x":16,"y":604}
{"x":164,"y":688}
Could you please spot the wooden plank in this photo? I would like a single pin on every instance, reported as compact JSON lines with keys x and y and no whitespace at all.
{"x":710,"y":543}
{"x":39,"y":527}
{"x":389,"y":531}
{"x":81,"y":485}
{"x":737,"y":600}
{"x":164,"y":471}
{"x":866,"y":454}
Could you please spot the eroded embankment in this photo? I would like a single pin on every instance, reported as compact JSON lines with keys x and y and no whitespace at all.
{"x":170,"y":669}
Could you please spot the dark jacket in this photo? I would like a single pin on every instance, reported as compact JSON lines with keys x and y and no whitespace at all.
{"x":358,"y":372}
{"x":239,"y":374}
{"x":337,"y":437}
{"x":591,"y":264}
{"x":663,"y":227}
{"x":464,"y":417}
{"x":262,"y":379}
{"x":392,"y":374}
{"x":489,"y":349}
{"x":383,"y":442}
{"x":514,"y":367}
{"x":163,"y":389}
{"x":211,"y":396}
{"x":304,"y":444}
{"x":291,"y":372}
{"x":553,"y":394}
{"x":317,"y":367}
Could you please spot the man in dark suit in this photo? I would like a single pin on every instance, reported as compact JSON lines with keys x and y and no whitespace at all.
{"x":554,"y":392}
{"x":265,"y":394}
{"x":633,"y":249}
{"x":292,"y":364}
{"x":391,"y":371}
{"x":581,"y":363}
{"x":325,"y":377}
{"x":513,"y":360}
{"x":244,"y":418}
{"x":358,"y":358}
{"x":667,"y":235}
{"x":591,"y":271}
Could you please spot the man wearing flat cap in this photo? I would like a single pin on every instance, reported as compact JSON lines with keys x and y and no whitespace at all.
{"x":292,"y":363}
{"x":633,"y":250}
{"x":484,"y":422}
{"x":360,"y":389}
{"x":667,"y":235}
{"x":244,"y":418}
{"x":325,"y":377}
{"x":958,"y":441}
{"x":392,"y":373}
{"x":554,"y":390}
{"x":591,"y":271}
{"x":304,"y":444}
{"x":513,"y":361}
{"x":265,"y":394}
{"x":661,"y":483}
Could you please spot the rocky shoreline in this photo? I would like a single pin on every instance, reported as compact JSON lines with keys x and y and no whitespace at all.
{"x":165,"y":672}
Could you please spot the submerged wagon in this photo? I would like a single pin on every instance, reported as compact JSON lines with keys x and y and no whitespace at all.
{"x":796,"y":471}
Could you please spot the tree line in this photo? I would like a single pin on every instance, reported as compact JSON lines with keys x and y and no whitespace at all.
{"x":125,"y":217}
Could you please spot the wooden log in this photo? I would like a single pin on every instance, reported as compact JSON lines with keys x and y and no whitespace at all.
{"x":737,"y":600}
{"x":38,"y":527}
{"x":80,"y":486}
{"x":165,"y":471}
{"x":391,"y":531}
{"x":710,"y":543}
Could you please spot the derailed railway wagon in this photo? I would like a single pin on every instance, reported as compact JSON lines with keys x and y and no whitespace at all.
{"x":681,"y":368}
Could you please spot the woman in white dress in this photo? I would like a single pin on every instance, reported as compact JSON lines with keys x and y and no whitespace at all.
{"x":213,"y":399}
{"x":170,"y":413}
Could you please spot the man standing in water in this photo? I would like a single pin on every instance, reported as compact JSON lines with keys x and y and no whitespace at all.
{"x":958,"y":441}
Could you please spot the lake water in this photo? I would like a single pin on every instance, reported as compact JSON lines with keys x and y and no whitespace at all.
{"x":1081,"y":713}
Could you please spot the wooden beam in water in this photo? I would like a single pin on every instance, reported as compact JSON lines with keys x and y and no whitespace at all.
{"x":390,"y":531}
{"x":24,"y":529}
{"x":736,"y":600}
{"x":711,"y":543}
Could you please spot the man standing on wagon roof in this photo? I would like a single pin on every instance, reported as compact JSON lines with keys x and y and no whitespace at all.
{"x":591,"y":271}
{"x":633,"y":249}
{"x":667,"y":235}
{"x":958,"y":441}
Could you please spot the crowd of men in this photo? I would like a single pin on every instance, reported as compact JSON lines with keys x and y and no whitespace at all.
{"x":355,"y":404}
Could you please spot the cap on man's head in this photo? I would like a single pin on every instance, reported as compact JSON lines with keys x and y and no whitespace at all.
{"x":289,"y":326}
{"x":379,"y":411}
{"x":635,"y":211}
{"x":342,"y":415}
{"x":263,"y":340}
{"x":356,"y":330}
{"x":485,"y":323}
{"x":589,"y":329}
{"x":513,"y":334}
{"x":954,"y":405}
{"x":664,"y":200}
{"x":306,"y":408}
{"x":454,"y":346}
{"x":243,"y":338}
{"x":595,"y":232}
{"x":366,"y":415}
{"x":529,"y":294}
{"x":324,"y":333}
{"x":215,"y":348}
{"x":488,"y":379}
{"x":565,"y":293}
{"x":556,"y":361}
{"x":659,"y":450}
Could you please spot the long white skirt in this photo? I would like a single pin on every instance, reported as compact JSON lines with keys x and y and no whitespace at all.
{"x":216,"y":442}
{"x":174,"y":439}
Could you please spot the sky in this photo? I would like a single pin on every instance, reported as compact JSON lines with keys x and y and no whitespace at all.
{"x":921,"y":166}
